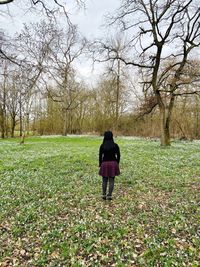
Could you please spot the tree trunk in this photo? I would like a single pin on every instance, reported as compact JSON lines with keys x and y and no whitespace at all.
{"x":197,"y":128}
{"x":117,"y":96}
{"x":13,"y":124}
{"x":27,"y":124}
{"x":165,"y":116}
{"x":2,"y":122}
{"x":165,"y":133}
{"x":20,"y":117}
{"x":23,"y":131}
{"x":65,"y":123}
{"x":70,"y":122}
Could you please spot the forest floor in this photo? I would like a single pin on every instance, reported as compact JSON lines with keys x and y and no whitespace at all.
{"x":51,"y":212}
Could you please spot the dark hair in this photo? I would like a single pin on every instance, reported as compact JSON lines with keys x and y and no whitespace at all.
{"x":108,"y":142}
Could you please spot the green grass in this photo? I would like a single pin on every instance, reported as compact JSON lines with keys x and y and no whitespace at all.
{"x":51,"y":213}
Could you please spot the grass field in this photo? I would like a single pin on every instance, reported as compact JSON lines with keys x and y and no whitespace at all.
{"x":51,"y":212}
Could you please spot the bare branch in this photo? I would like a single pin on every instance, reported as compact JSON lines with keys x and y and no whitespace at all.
{"x":6,"y":2}
{"x":187,"y":93}
{"x":147,"y":107}
{"x":3,"y":55}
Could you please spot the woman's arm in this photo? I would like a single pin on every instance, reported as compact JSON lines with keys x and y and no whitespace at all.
{"x":100,"y":155}
{"x":118,"y":153}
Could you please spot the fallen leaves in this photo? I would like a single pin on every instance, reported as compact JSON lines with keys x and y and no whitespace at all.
{"x":52,"y":214}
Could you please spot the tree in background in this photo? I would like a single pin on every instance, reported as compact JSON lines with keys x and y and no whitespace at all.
{"x":117,"y":76}
{"x":52,"y":10}
{"x":65,"y":50}
{"x":161,"y":31}
{"x":40,"y":89}
{"x":3,"y":98}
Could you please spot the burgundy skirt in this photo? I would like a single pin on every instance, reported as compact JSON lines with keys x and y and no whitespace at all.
{"x":109,"y":169}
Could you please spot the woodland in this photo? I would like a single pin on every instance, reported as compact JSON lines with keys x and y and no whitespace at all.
{"x":149,"y":85}
{"x":145,"y":87}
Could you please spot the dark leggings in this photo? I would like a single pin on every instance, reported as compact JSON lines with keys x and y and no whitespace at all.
{"x":111,"y":185}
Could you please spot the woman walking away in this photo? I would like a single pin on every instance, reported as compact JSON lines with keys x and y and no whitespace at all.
{"x":109,"y":158}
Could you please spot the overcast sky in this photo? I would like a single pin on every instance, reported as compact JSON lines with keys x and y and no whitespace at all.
{"x":89,"y":20}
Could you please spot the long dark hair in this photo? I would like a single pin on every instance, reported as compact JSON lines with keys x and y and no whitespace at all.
{"x":108,"y":142}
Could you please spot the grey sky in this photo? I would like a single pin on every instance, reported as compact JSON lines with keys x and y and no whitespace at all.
{"x":88,"y":20}
{"x":91,"y":19}
{"x":90,"y":23}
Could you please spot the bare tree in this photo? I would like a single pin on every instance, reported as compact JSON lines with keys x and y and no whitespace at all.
{"x":33,"y":45}
{"x":13,"y":103}
{"x":3,"y":98}
{"x":118,"y":74}
{"x":103,"y":103}
{"x":48,"y":7}
{"x":67,"y":49}
{"x":114,"y":69}
{"x":160,"y":31}
{"x":52,"y":10}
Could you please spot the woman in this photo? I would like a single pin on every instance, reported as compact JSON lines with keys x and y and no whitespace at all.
{"x":109,"y":158}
